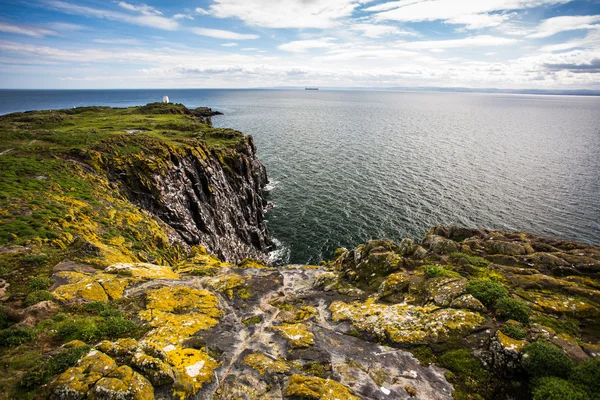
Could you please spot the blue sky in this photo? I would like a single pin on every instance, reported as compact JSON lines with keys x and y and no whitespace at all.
{"x":545,"y":44}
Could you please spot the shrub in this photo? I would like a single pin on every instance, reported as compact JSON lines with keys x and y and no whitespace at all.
{"x":434,"y":271}
{"x":37,"y":296}
{"x":543,"y":359}
{"x":78,"y":329}
{"x":587,"y":376}
{"x":514,"y":331}
{"x":35,"y":259}
{"x":40,"y":283}
{"x":5,"y":322}
{"x":103,"y":309}
{"x":486,"y":290}
{"x":115,"y":326}
{"x":15,"y":336}
{"x":551,"y":388}
{"x":52,"y":366}
{"x":508,"y":308}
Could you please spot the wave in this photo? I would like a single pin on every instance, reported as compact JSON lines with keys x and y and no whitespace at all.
{"x":281,"y":254}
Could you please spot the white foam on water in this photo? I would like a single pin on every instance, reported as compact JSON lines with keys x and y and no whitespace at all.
{"x":281,"y":254}
{"x":270,"y":186}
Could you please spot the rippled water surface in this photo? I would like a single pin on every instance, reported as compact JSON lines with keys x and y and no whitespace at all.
{"x":348,"y":166}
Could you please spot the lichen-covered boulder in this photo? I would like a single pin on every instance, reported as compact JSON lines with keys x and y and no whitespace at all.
{"x":508,"y":248}
{"x":122,"y":384}
{"x":156,"y":370}
{"x":311,"y":387}
{"x":121,"y":350}
{"x":394,"y":284}
{"x":406,"y":324}
{"x":443,"y":290}
{"x":75,"y":382}
{"x":468,"y":302}
{"x":440,"y":245}
{"x":265,"y":365}
{"x":298,"y":335}
{"x":505,"y":354}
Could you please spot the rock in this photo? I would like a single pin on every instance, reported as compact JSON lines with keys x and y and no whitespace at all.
{"x":507,"y":248}
{"x":298,"y":335}
{"x":444,"y":290}
{"x":468,"y":302}
{"x":394,"y":284}
{"x":505,"y":354}
{"x":317,"y":388}
{"x":440,"y":245}
{"x":122,"y":383}
{"x":75,"y":382}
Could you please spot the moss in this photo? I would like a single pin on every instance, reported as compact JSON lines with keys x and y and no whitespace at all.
{"x":16,"y":336}
{"x":53,"y":365}
{"x":37,"y":296}
{"x":317,"y":388}
{"x":508,"y":308}
{"x":5,"y":321}
{"x":424,"y":354}
{"x":486,"y":290}
{"x":551,"y":388}
{"x":40,"y":283}
{"x":264,"y":364}
{"x":433,"y":271}
{"x":473,"y":260}
{"x":256,"y":319}
{"x":470,"y":379}
{"x":585,"y":376}
{"x":243,"y":293}
{"x":543,"y":359}
{"x":514,"y":331}
{"x":298,"y":335}
{"x":562,"y":324}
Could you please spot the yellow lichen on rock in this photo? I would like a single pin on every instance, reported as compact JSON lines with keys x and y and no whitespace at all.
{"x":193,"y":369}
{"x":226,"y":283}
{"x":122,"y":383}
{"x":406,"y":324}
{"x":143,"y":271}
{"x":555,"y":303}
{"x":298,"y":335}
{"x":509,"y":343}
{"x":77,"y":381}
{"x":311,"y":387}
{"x":264,"y":364}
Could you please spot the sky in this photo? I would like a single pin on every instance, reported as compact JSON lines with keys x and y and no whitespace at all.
{"x":507,"y":44}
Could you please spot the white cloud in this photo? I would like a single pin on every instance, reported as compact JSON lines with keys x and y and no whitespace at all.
{"x":250,"y":49}
{"x":479,"y":21}
{"x":287,"y":13}
{"x":202,"y":11}
{"x":490,"y":53}
{"x":376,"y":31}
{"x":231,"y":44}
{"x":132,"y":42}
{"x":222,"y":34}
{"x":471,"y":41}
{"x":65,"y":26}
{"x":182,"y":16}
{"x":153,"y":21}
{"x":300,"y":46}
{"x":590,"y":41}
{"x":32,"y":31}
{"x":555,"y":25}
{"x":431,"y":10}
{"x":141,"y":8}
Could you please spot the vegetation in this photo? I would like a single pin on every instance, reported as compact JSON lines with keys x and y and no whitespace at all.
{"x":507,"y":308}
{"x":37,"y":296}
{"x":514,"y":331}
{"x":552,"y":388}
{"x":543,"y":359}
{"x":487,"y":291}
{"x":470,"y":379}
{"x":434,"y":271}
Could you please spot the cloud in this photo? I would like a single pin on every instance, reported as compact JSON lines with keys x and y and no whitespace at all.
{"x":142,"y":8}
{"x":153,"y":21}
{"x":471,"y":41}
{"x":590,"y":41}
{"x":287,"y":13}
{"x":449,"y":10}
{"x":222,"y":34}
{"x":300,"y":46}
{"x":552,"y":26}
{"x":65,"y":26}
{"x":182,"y":16}
{"x":202,"y":11}
{"x":132,"y":42}
{"x":479,"y":21}
{"x":232,"y":44}
{"x":376,"y":31}
{"x":32,"y":31}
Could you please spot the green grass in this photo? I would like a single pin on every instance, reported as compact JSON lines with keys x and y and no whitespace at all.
{"x":434,"y":271}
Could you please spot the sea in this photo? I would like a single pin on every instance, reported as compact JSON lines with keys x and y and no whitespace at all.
{"x":347,"y":166}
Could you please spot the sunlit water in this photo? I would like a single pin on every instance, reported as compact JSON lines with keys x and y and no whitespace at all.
{"x":348,"y":166}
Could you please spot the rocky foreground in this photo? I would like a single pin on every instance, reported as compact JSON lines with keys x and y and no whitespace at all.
{"x":110,"y":296}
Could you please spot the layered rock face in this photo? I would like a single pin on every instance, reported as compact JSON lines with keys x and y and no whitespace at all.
{"x":210,"y":197}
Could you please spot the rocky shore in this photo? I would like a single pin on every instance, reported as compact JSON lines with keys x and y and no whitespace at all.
{"x":133,"y":268}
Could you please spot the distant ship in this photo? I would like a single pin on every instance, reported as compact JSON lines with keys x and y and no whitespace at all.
{"x":311,"y":88}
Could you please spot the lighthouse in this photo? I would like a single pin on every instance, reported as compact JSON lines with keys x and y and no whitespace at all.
{"x":165,"y":99}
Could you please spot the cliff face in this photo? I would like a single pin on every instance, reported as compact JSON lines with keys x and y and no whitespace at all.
{"x":210,"y":197}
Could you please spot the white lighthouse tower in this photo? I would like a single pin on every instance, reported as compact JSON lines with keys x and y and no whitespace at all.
{"x":165,"y":99}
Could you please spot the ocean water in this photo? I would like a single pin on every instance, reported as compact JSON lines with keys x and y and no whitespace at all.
{"x":349,"y":166}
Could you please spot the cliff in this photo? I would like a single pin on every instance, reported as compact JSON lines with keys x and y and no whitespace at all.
{"x":125,"y":275}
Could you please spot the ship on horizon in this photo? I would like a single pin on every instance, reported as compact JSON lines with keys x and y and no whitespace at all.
{"x":311,"y":88}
